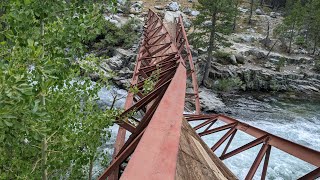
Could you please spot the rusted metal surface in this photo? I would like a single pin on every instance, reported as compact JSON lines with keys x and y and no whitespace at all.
{"x":155,"y":116}
{"x":262,"y":137}
{"x":158,"y":56}
{"x":184,"y":49}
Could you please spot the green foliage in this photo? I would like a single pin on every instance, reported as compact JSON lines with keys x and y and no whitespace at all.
{"x":280,"y":64}
{"x":229,"y":84}
{"x":301,"y":17}
{"x":148,"y":84}
{"x":43,"y":98}
{"x":224,"y":10}
{"x":126,"y":7}
{"x":312,"y":20}
{"x":293,"y":22}
{"x":299,"y":40}
{"x":124,"y":36}
{"x":222,"y":55}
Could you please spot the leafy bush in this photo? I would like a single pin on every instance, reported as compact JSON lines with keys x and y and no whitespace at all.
{"x":113,"y":36}
{"x":222,"y":56}
{"x":228,"y":84}
{"x":280,"y":64}
{"x":50,"y":123}
{"x":300,"y":40}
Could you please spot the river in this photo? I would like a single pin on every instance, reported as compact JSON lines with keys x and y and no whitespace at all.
{"x":295,"y":119}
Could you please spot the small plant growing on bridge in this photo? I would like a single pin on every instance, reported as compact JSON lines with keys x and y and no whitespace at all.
{"x":148,"y":84}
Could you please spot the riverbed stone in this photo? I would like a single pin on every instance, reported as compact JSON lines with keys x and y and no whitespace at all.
{"x":273,"y":14}
{"x":210,"y":102}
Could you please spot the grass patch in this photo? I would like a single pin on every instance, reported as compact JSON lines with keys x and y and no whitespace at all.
{"x":222,"y":57}
{"x":228,"y":84}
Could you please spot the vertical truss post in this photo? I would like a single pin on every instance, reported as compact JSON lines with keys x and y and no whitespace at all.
{"x":183,"y":41}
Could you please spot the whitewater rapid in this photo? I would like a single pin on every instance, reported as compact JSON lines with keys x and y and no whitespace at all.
{"x":298,"y":121}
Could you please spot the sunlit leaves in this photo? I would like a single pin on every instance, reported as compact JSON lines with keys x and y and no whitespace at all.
{"x":42,"y":93}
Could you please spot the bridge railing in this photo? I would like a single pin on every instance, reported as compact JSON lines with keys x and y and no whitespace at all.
{"x":153,"y":114}
{"x":262,"y":137}
{"x":184,"y":49}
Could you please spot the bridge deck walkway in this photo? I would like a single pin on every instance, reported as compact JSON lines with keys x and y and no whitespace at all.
{"x":196,"y":160}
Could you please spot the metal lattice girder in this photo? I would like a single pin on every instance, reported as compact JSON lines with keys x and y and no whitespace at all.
{"x":268,"y":140}
{"x":152,"y":148}
{"x":157,"y":54}
{"x":184,"y":49}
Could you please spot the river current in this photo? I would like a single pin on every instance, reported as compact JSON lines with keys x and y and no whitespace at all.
{"x":292,"y":118}
{"x":295,"y":119}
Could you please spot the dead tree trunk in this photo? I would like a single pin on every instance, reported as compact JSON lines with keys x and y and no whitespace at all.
{"x":266,"y":57}
{"x":291,"y":37}
{"x":268,"y":33}
{"x":251,"y":9}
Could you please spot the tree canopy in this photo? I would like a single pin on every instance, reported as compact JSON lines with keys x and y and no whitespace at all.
{"x":50,"y":123}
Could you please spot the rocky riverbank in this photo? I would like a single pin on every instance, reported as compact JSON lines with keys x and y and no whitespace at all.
{"x":247,"y":60}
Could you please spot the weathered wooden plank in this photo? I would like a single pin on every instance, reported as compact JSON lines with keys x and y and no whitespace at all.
{"x":196,"y":161}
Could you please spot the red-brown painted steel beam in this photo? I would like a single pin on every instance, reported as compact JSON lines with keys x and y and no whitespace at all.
{"x":265,"y":164}
{"x":156,"y":155}
{"x":120,"y":139}
{"x":304,"y":153}
{"x":257,"y":161}
{"x":312,"y":175}
{"x":154,"y":50}
{"x":123,"y":156}
{"x":182,"y":31}
{"x":211,"y":120}
{"x":245,"y":147}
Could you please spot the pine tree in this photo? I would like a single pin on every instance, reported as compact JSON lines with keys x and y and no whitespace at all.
{"x":216,"y":18}
{"x":313,"y":23}
{"x":293,"y":21}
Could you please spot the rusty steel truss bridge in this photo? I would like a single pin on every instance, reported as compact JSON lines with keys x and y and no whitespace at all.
{"x":162,"y":145}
